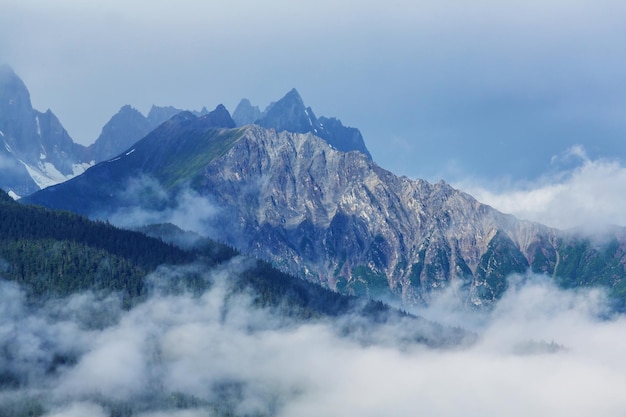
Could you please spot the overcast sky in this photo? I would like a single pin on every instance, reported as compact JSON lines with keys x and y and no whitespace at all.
{"x":439,"y":88}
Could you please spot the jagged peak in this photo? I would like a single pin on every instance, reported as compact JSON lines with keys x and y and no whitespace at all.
{"x":127,"y":108}
{"x":220,"y":117}
{"x":158,"y":114}
{"x":290,"y":114}
{"x":183,"y":116}
{"x":6,"y":72}
{"x":219,"y":108}
{"x":245,"y":102}
{"x":8,"y":77}
{"x":291,"y":99}
{"x":245,"y":113}
{"x":293,"y":94}
{"x":156,"y":108}
{"x":12,"y":87}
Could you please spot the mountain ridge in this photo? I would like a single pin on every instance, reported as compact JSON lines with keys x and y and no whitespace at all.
{"x":38,"y":151}
{"x":303,"y":193}
{"x":336,"y":217}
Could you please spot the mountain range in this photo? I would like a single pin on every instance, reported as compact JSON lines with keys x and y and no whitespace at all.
{"x":332,"y":216}
{"x":299,"y":191}
{"x":38,"y":151}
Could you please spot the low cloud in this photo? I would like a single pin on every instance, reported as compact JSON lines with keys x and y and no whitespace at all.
{"x":540,"y":351}
{"x":79,"y":410}
{"x":581,"y":192}
{"x":144,"y":201}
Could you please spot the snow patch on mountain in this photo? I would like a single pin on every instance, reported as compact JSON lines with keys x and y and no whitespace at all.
{"x":41,"y":178}
{"x":46,"y":174}
{"x":78,"y":169}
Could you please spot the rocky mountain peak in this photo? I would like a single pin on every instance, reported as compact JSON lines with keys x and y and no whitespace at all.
{"x":38,"y":151}
{"x":341,"y":137}
{"x":12,"y":87}
{"x":119,"y":133}
{"x":289,"y":114}
{"x":127,"y":109}
{"x":16,"y":111}
{"x":158,"y":115}
{"x":220,"y":117}
{"x":246,"y":113}
{"x":293,"y":96}
{"x":183,"y":117}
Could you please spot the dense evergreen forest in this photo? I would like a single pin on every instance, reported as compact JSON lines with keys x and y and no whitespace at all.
{"x":57,"y":253}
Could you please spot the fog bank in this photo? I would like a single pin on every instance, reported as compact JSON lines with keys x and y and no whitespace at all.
{"x":541,"y":351}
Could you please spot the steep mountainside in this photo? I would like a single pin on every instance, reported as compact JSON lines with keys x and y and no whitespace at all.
{"x":36,"y":151}
{"x":342,"y":220}
{"x":336,"y":217}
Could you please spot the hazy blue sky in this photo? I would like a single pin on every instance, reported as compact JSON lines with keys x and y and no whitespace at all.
{"x":439,"y":88}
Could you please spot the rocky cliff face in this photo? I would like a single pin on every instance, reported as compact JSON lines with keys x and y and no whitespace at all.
{"x":341,"y":220}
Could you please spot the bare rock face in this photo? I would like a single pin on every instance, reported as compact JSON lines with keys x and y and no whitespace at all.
{"x":343,"y":221}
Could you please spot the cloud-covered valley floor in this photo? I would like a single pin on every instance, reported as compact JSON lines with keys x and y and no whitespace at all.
{"x":541,"y":351}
